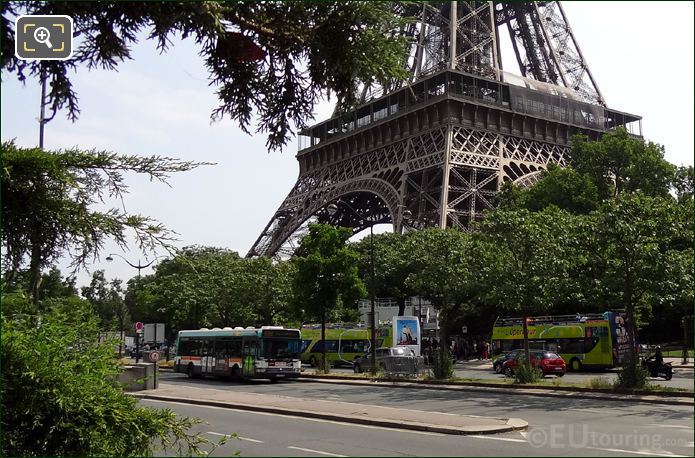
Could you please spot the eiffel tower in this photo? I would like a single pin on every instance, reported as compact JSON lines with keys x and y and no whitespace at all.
{"x":442,"y":143}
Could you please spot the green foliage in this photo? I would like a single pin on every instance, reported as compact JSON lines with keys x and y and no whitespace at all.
{"x":442,"y":364}
{"x":632,"y":376}
{"x":636,"y":256}
{"x":619,"y":163}
{"x":326,"y":271}
{"x":526,"y":373}
{"x":48,"y":201}
{"x":107,"y":299}
{"x":213,"y":287}
{"x":60,"y":398}
{"x":442,"y":271}
{"x":274,"y":59}
{"x":393,"y":263}
{"x":683,"y":184}
{"x":562,"y":187}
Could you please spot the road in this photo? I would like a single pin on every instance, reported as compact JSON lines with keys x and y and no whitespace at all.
{"x":557,"y":426}
{"x":682,"y":377}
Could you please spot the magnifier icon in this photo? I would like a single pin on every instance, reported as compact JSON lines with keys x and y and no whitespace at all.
{"x":42,"y":35}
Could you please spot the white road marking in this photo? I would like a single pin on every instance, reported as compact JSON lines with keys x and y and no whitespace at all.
{"x":637,"y":452}
{"x":314,"y":451}
{"x":670,"y":426}
{"x":238,"y":437}
{"x":250,"y":440}
{"x":293,"y":417}
{"x":589,"y":410}
{"x":504,"y":439}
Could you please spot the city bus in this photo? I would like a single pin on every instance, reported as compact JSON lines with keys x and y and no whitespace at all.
{"x":270,"y":352}
{"x":344,"y":342}
{"x":583,"y":341}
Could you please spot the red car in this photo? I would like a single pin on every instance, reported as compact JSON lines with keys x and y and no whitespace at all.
{"x":546,"y":361}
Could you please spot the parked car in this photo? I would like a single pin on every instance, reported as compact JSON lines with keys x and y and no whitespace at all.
{"x":547,"y":361}
{"x":385,"y":357}
{"x":499,"y":362}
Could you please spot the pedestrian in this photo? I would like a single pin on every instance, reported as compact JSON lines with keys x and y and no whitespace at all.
{"x":475,"y":349}
{"x":486,"y":349}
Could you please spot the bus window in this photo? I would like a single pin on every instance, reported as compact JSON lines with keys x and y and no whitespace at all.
{"x":331,"y":346}
{"x":305,"y":345}
{"x":280,"y":348}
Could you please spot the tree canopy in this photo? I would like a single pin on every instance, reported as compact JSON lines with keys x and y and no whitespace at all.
{"x":48,"y":200}
{"x":269,"y":60}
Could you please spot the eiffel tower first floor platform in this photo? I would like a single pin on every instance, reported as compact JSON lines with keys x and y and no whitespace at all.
{"x":441,"y":150}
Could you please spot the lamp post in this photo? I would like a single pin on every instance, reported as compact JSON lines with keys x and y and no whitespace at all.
{"x":332,"y":210}
{"x":139,"y":266}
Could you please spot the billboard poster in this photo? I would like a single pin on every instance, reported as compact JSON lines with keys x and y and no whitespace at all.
{"x":621,"y":343}
{"x":406,"y":332}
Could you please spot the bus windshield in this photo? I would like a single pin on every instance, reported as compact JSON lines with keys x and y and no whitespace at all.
{"x":281,"y":348}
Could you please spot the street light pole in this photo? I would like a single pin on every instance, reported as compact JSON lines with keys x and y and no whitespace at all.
{"x":332,"y":209}
{"x":371,"y":296}
{"x":139,"y":266}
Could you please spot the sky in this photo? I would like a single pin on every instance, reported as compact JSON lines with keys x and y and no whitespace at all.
{"x":640,"y":53}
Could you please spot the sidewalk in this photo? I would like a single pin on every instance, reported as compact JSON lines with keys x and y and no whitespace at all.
{"x":336,"y":411}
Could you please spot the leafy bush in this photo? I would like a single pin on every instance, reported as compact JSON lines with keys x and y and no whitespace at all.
{"x":632,"y":376}
{"x":60,"y":397}
{"x":525,"y":373}
{"x":442,"y":364}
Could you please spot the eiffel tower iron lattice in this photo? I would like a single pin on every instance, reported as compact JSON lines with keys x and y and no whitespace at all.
{"x":442,"y":143}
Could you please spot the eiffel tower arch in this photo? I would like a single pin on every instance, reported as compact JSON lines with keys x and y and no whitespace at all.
{"x":442,"y":143}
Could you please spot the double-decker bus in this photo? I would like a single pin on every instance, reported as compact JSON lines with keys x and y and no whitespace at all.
{"x":270,"y":352}
{"x":344,"y":342}
{"x":589,"y":340}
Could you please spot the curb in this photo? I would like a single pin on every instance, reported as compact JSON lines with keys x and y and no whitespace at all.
{"x":586,"y":393}
{"x":512,"y":424}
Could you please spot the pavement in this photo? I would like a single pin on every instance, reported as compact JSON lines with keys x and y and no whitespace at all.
{"x":346,"y":412}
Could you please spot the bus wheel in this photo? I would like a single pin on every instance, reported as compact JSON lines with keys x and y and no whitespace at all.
{"x":274,"y":379}
{"x":575,"y":365}
{"x":190,"y":371}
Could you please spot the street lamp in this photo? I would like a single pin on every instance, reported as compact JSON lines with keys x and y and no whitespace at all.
{"x":332,"y":210}
{"x":139,"y":266}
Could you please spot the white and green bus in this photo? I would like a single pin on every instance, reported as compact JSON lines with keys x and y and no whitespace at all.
{"x":270,"y":352}
{"x":594,"y":340}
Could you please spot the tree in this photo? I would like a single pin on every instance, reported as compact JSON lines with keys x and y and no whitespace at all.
{"x":563,"y":187}
{"x":442,"y":272}
{"x":268,"y":290}
{"x":393,"y":265}
{"x":635,"y":245}
{"x":48,"y":199}
{"x":276,"y":59}
{"x":683,"y":184}
{"x":620,"y":163}
{"x":59,"y":396}
{"x":526,"y":260}
{"x":327,"y":273}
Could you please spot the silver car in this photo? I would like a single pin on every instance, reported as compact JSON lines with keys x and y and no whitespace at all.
{"x":391,"y":360}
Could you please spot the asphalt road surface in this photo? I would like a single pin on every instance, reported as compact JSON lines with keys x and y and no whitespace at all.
{"x":557,"y":426}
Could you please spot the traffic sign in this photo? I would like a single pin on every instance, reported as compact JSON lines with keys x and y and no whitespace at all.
{"x":154,"y":356}
{"x":139,"y":326}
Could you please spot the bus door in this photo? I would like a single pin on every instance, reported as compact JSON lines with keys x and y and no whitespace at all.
{"x":248,"y":355}
{"x":207,"y":360}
